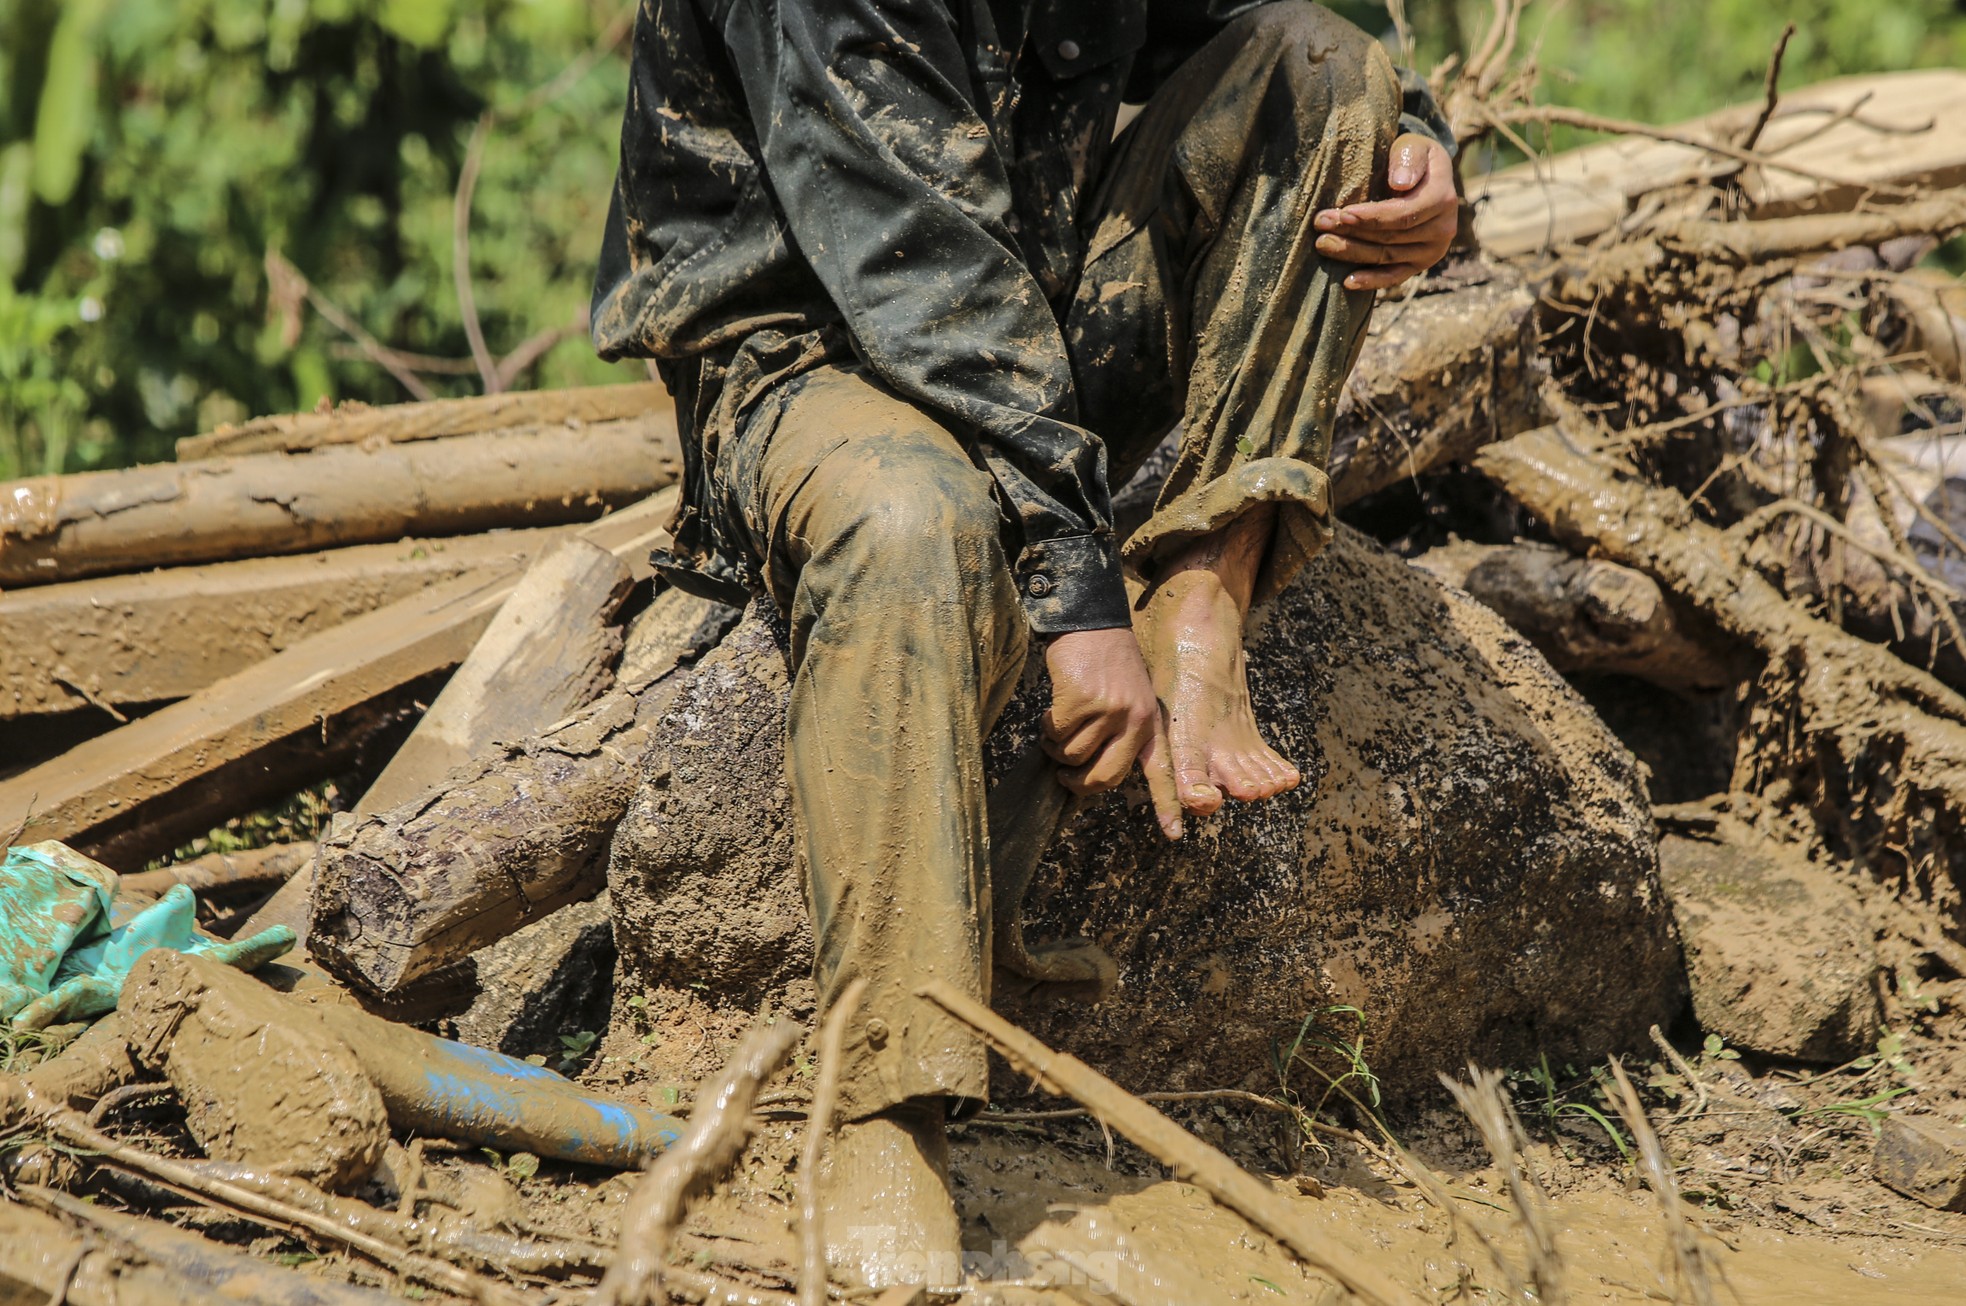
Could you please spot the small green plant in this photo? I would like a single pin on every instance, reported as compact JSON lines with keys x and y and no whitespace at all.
{"x":521,"y":1166}
{"x":575,"y":1048}
{"x":1554,"y":1101}
{"x":1870,"y":1109}
{"x":1716,"y":1049}
{"x":1314,"y":1035}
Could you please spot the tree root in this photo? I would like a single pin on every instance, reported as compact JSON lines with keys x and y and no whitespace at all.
{"x":720,"y":1125}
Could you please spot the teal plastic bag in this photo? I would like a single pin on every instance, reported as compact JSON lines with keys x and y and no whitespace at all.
{"x":67,"y":945}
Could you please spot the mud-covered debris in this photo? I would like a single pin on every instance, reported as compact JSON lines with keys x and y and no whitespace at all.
{"x":1778,"y":951}
{"x":260,"y":1083}
{"x":67,"y":941}
{"x":291,"y":1084}
{"x":1925,"y":1159}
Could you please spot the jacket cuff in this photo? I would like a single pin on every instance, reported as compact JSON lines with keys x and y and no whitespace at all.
{"x":1073,"y":583}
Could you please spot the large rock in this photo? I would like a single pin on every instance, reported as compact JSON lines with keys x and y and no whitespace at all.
{"x":1781,"y":956}
{"x":1470,"y":860}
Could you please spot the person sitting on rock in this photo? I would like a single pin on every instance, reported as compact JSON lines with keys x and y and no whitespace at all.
{"x":920,"y":308}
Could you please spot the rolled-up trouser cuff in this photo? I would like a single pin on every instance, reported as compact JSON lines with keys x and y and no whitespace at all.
{"x":904,"y":1048}
{"x":1301,"y":493}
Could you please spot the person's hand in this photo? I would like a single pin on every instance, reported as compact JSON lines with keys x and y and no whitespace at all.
{"x":1104,"y":717}
{"x":1394,"y":239}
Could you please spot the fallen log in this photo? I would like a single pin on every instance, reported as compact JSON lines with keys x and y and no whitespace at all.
{"x":120,"y":641}
{"x":92,"y":523}
{"x":549,"y":652}
{"x":357,"y":423}
{"x":1875,"y":748}
{"x":402,"y":893}
{"x":1583,"y":193}
{"x":136,"y":792}
{"x":1585,"y":614}
{"x":1439,"y":376}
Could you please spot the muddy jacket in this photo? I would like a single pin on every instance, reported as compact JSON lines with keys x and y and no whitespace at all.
{"x":805,"y":181}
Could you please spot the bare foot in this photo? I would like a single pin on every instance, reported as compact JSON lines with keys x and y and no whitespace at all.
{"x":1190,"y":631}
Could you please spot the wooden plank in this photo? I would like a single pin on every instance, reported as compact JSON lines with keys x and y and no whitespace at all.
{"x":358,"y":423}
{"x":1585,"y":192}
{"x":58,"y":528}
{"x":137,"y":790}
{"x":154,"y":636}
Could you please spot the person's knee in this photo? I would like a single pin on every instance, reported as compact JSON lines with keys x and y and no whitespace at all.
{"x":916,"y":518}
{"x":1303,"y":25}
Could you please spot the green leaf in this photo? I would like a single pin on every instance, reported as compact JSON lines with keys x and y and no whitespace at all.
{"x":422,"y":23}
{"x":65,"y":118}
{"x":522,"y":1166}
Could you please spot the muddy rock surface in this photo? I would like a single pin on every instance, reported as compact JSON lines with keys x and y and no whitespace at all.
{"x":1779,"y":951}
{"x":1469,"y":861}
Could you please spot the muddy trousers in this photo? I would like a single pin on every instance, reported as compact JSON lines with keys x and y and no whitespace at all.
{"x":1203,"y":302}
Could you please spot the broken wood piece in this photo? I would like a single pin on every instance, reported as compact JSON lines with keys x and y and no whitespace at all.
{"x":231,"y":872}
{"x":548,"y":653}
{"x":1191,"y":1159}
{"x":1438,"y":377}
{"x":401,"y":894}
{"x":1584,"y":614}
{"x":119,"y":641}
{"x":57,"y":528}
{"x":720,"y":1125}
{"x":1583,"y":193}
{"x":355,"y":423}
{"x":138,"y":791}
{"x":1923,"y":1157}
{"x":124,"y":1260}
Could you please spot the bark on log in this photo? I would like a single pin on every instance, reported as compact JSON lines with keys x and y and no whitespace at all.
{"x":1875,"y":748}
{"x":1585,"y":614}
{"x":1470,"y":859}
{"x":400,"y":894}
{"x":548,"y":653}
{"x":121,"y":641}
{"x":135,"y":792}
{"x":394,"y":423}
{"x":1439,"y":376}
{"x":403,"y":893}
{"x":93,"y":523}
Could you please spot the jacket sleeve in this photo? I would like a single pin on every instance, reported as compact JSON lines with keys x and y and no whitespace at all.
{"x":897,"y":198}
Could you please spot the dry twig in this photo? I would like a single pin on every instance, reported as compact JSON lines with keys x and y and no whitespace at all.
{"x":720,"y":1124}
{"x":1481,"y":1100}
{"x":812,"y":1235}
{"x":1688,"y":1258}
{"x":1189,"y":1157}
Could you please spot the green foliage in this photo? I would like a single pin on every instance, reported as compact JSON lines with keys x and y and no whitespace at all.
{"x":153,"y":151}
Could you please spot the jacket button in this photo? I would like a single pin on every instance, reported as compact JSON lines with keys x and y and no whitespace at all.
{"x":1068,"y":50}
{"x":1039,"y":585}
{"x":877,"y":1032}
